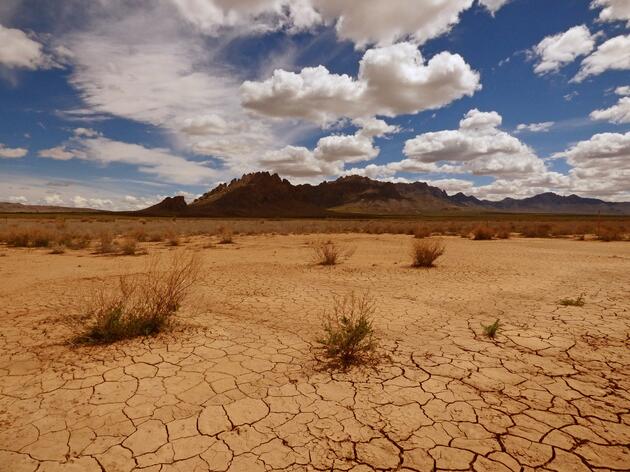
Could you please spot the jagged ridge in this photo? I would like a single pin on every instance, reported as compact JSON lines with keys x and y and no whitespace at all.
{"x":262,"y":194}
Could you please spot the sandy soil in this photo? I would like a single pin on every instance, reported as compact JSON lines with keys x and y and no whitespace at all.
{"x":238,"y":388}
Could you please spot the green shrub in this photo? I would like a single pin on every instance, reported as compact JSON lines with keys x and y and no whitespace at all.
{"x":348,"y":337}
{"x":491,"y":330}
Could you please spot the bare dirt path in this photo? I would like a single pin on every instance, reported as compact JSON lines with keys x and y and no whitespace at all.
{"x":237,"y":386}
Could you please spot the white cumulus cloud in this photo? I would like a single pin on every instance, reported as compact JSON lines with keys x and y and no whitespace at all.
{"x":331,"y":154}
{"x":363,"y":22}
{"x":556,"y":51}
{"x":493,"y":5}
{"x":17,"y":50}
{"x":478,"y":147}
{"x":601,"y":165}
{"x":619,"y":113}
{"x":392,"y":80}
{"x":542,"y":127}
{"x":12,"y":153}
{"x":613,"y":10}
{"x":613,"y":54}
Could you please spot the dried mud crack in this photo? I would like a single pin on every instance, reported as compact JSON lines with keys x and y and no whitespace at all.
{"x":239,"y":388}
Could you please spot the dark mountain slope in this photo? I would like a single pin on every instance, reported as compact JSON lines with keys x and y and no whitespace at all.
{"x":267,"y":195}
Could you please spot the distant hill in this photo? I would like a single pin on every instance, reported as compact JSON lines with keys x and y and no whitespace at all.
{"x":263,"y":194}
{"x":7,"y":207}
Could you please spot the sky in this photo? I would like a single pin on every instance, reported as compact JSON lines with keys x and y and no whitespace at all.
{"x":115,"y":104}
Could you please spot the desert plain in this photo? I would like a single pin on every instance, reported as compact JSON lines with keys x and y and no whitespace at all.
{"x":238,"y":384}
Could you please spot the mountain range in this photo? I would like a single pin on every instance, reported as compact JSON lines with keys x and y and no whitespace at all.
{"x":10,"y":207}
{"x":262,"y":194}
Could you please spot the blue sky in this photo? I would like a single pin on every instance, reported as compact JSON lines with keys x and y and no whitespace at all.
{"x":115,"y":104}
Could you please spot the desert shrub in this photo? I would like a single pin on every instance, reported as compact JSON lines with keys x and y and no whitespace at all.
{"x":58,"y":249}
{"x":579,"y":301}
{"x":536,"y":231}
{"x":491,"y":330}
{"x":421,"y":232}
{"x":41,"y":238}
{"x":155,"y":237}
{"x":584,"y":229}
{"x":226,"y":235}
{"x":29,"y":237}
{"x":141,"y":304}
{"x":139,"y":234}
{"x":74,"y":241}
{"x":348,"y":337}
{"x":128,"y":246}
{"x":106,"y":243}
{"x":482,"y":233}
{"x":425,"y":252}
{"x":17,"y":238}
{"x":172,"y":238}
{"x":608,"y":234}
{"x":503,"y":234}
{"x":329,"y":253}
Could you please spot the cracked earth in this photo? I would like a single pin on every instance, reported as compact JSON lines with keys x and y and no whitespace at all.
{"x":236,"y":386}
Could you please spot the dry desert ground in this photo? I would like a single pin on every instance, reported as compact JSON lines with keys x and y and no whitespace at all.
{"x":238,"y":385}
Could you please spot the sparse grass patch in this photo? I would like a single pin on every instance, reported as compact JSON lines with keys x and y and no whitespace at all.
{"x":348,"y":337}
{"x":503,"y":234}
{"x":425,"y":252}
{"x":491,"y":330}
{"x":41,"y":238}
{"x":105,"y":243}
{"x":537,"y":231}
{"x":141,"y":304}
{"x":74,"y":241}
{"x":482,"y":233}
{"x":421,"y":232}
{"x":129,"y":246}
{"x":579,"y":301}
{"x":226,"y":235}
{"x":58,"y":249}
{"x":29,"y":237}
{"x":328,"y":253}
{"x":173,"y":239}
{"x":17,"y":238}
{"x":609,"y":234}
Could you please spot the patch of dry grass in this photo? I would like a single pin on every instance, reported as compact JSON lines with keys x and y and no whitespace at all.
{"x":425,"y":252}
{"x":128,"y":246}
{"x":226,"y":235}
{"x":329,"y":253}
{"x":140,"y":304}
{"x":579,"y":301}
{"x":536,"y":231}
{"x":105,"y":243}
{"x":608,"y":234}
{"x":421,"y":232}
{"x":482,"y":233}
{"x":16,"y":230}
{"x":58,"y":249}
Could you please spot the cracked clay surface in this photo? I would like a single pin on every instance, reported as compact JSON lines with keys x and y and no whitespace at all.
{"x":236,"y":385}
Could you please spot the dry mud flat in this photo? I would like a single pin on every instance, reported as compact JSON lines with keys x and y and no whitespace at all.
{"x":239,"y":389}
